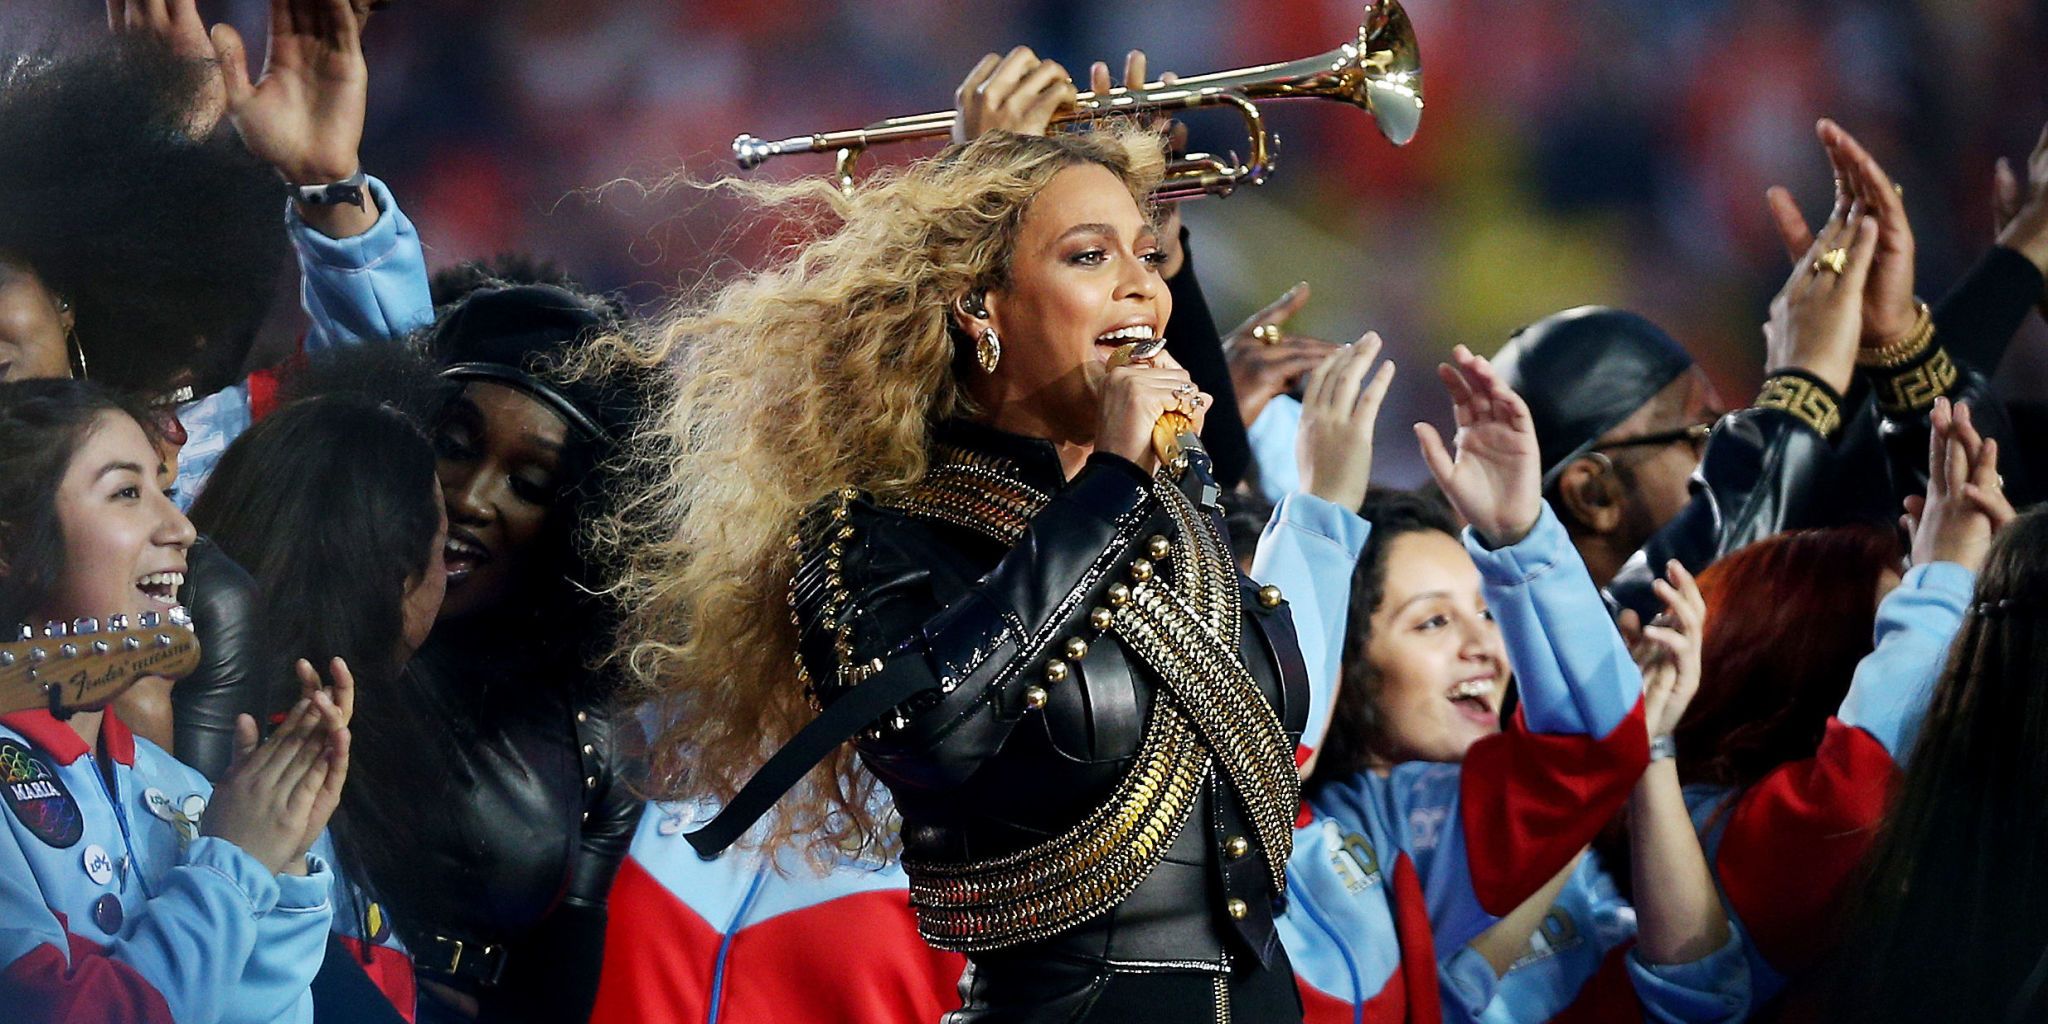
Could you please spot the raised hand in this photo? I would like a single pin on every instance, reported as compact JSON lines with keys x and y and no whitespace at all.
{"x":1266,"y":361}
{"x":1338,"y":411}
{"x":1965,"y":503}
{"x":1817,"y":318}
{"x":1889,"y":309}
{"x":2020,"y":209}
{"x":305,"y":115}
{"x":1016,"y":92}
{"x":178,"y":26}
{"x":1495,"y":481}
{"x":1668,"y":649}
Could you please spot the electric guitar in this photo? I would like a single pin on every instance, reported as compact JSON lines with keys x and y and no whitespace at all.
{"x":67,"y":666}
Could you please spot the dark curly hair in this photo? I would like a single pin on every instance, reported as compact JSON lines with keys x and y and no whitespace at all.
{"x":42,"y":425}
{"x":1354,"y":723}
{"x":167,"y":247}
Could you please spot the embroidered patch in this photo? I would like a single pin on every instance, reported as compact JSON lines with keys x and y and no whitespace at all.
{"x":37,"y":796}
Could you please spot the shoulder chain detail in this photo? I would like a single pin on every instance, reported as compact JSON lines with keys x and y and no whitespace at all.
{"x":978,"y":492}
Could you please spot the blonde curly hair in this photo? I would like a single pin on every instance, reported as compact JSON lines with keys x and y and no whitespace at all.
{"x":827,"y":369}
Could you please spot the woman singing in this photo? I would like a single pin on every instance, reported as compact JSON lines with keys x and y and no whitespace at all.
{"x":900,"y":481}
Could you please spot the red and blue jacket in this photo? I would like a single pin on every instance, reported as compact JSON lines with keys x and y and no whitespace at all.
{"x":114,"y":908}
{"x":1393,"y":874}
{"x":1785,"y":849}
{"x":741,"y":939}
{"x":1782,"y":851}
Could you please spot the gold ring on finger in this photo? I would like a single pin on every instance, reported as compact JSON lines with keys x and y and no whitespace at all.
{"x":1832,"y":260}
{"x":1268,"y":334}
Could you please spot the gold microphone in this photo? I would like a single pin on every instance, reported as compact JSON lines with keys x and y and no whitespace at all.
{"x":1173,"y":434}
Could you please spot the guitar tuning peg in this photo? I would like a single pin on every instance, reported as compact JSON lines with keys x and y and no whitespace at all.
{"x":147,"y":621}
{"x":117,"y":623}
{"x":55,"y":629}
{"x":100,"y":647}
{"x":68,"y":651}
{"x":25,"y":632}
{"x":179,"y":616}
{"x":85,"y":627}
{"x":6,"y":659}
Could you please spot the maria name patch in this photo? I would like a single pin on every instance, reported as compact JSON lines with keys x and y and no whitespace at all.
{"x":37,"y":796}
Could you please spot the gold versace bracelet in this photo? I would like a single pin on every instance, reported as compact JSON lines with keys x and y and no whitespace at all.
{"x":1807,"y":400}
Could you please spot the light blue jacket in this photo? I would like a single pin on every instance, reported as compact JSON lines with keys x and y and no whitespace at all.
{"x":113,"y":908}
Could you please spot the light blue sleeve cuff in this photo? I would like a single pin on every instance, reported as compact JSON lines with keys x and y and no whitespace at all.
{"x":1916,"y":622}
{"x":1469,"y":985}
{"x":1272,"y":443}
{"x":1309,"y":549}
{"x":1710,"y":990}
{"x":356,"y":252}
{"x":309,"y":891}
{"x":257,"y":885}
{"x":368,"y":287}
{"x":1572,"y":670}
{"x":1534,"y":555}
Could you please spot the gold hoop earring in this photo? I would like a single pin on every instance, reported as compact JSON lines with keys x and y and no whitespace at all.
{"x":77,"y":353}
{"x":988,"y":350}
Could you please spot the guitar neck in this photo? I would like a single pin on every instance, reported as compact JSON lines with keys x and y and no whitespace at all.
{"x":77,"y":666}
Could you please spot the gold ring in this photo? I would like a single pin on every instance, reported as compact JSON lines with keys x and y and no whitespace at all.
{"x":1268,"y":334}
{"x":1832,"y":260}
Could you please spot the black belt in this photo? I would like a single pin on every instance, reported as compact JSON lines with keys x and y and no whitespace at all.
{"x":455,"y":958}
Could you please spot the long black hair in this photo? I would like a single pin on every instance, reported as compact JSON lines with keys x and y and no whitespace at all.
{"x":167,"y":247}
{"x":1355,"y":722}
{"x":1953,"y":923}
{"x":331,"y":504}
{"x":42,"y":425}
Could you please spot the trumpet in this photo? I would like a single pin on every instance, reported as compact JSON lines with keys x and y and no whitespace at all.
{"x":1379,"y":72}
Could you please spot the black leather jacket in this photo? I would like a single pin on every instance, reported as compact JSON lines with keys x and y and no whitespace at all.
{"x":1762,"y":473}
{"x":1001,"y":752}
{"x":540,"y":810}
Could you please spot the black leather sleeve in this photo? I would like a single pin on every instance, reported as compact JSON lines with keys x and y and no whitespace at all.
{"x":1976,"y":320}
{"x":976,"y":652}
{"x":613,"y":752}
{"x":1975,"y":323}
{"x":235,"y":671}
{"x":1192,"y":338}
{"x":1759,"y":474}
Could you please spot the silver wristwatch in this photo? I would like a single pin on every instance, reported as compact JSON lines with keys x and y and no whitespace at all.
{"x":349,"y":191}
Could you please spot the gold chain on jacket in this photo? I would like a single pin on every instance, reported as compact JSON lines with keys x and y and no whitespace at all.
{"x":1177,"y":624}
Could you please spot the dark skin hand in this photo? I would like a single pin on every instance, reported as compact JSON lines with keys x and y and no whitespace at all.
{"x":1889,"y":310}
{"x":1261,"y":371}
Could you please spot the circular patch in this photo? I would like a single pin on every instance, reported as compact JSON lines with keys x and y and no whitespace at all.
{"x":374,"y":923}
{"x":106,"y":913}
{"x":159,"y":804}
{"x":193,"y":806}
{"x":37,"y":796}
{"x":98,"y":866}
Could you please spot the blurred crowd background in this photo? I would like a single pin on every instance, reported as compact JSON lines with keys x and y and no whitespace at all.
{"x":1572,"y":151}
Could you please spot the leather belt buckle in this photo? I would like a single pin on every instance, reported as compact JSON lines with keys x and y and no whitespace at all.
{"x":484,"y":964}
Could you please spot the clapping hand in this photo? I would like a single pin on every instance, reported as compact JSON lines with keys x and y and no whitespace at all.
{"x":1338,"y":411}
{"x":1817,"y":318}
{"x":1668,"y":649}
{"x":1495,"y":480}
{"x":1965,"y":502}
{"x":1889,"y":309}
{"x":1266,"y":361}
{"x":278,"y":796}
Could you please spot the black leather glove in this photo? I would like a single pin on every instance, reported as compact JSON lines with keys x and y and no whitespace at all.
{"x":236,"y":674}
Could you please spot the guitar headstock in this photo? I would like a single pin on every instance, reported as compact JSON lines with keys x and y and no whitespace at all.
{"x":65,"y":666}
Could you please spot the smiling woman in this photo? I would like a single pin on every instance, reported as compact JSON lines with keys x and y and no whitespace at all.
{"x":906,"y":485}
{"x":210,"y":911}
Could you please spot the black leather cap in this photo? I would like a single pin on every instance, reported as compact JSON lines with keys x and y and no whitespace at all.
{"x":514,"y":336}
{"x":1583,"y":371}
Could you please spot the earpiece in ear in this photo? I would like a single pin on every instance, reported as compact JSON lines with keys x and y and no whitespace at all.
{"x":975,"y":304}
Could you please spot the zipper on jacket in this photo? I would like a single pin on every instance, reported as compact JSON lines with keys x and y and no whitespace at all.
{"x":1223,"y":991}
